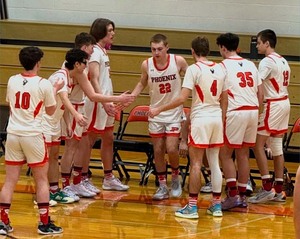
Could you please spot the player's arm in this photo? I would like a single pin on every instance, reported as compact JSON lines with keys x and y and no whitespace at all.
{"x":98,"y":97}
{"x":183,"y":146}
{"x":184,"y":94}
{"x":224,"y":103}
{"x":142,"y":84}
{"x":182,"y":65}
{"x":260,"y":96}
{"x":79,"y":118}
{"x":66,"y":118}
{"x":94,"y":73}
{"x":50,"y":94}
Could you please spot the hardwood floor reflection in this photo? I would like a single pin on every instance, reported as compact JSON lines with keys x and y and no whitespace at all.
{"x":133,"y":215}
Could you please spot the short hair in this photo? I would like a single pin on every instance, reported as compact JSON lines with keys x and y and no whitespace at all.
{"x":200,"y":46}
{"x":99,"y":28}
{"x":29,"y":56}
{"x":84,"y":39}
{"x":157,"y":38}
{"x":228,"y":40}
{"x":268,"y":35}
{"x":75,"y":55}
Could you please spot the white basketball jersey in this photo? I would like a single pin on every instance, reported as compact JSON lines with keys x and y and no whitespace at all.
{"x":51,"y":121}
{"x":27,"y":96}
{"x":275,"y":72}
{"x":100,"y":55}
{"x":242,"y":81}
{"x":164,"y":86}
{"x":207,"y":81}
{"x":76,"y":96}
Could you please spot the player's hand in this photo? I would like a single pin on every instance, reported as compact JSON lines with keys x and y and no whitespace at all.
{"x":126,"y":98}
{"x":119,"y":107}
{"x":69,"y":132}
{"x":81,"y":119}
{"x":109,"y":109}
{"x":153,"y":112}
{"x":183,"y":149}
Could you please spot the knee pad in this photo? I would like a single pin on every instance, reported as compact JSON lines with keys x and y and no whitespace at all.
{"x":276,"y":146}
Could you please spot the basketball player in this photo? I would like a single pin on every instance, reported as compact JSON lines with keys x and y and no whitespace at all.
{"x":206,"y":81}
{"x":161,"y":73}
{"x":244,"y":97}
{"x":275,"y":73}
{"x":81,"y":87}
{"x":101,"y":116}
{"x":28,"y":95}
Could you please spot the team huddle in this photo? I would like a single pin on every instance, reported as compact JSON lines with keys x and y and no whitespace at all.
{"x":235,"y":107}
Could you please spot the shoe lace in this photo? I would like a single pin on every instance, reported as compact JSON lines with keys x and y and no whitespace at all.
{"x":69,"y":191}
{"x":175,"y":184}
{"x":117,"y":181}
{"x":89,"y":183}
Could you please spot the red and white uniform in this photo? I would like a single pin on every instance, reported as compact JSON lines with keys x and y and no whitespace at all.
{"x":275,"y":73}
{"x":97,"y":117}
{"x":77,"y":98}
{"x":52,"y":123}
{"x":164,"y":86}
{"x":206,"y":79}
{"x":242,"y":81}
{"x":27,"y":96}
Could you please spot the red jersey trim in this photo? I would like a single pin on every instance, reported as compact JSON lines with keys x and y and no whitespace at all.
{"x":278,"y":99}
{"x":160,"y":135}
{"x":274,"y":84}
{"x":155,"y":65}
{"x":247,"y":107}
{"x":204,"y":63}
{"x":99,"y":131}
{"x":15,"y":163}
{"x":199,"y":92}
{"x":28,"y":75}
{"x":37,"y":109}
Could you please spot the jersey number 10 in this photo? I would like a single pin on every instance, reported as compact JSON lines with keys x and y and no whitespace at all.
{"x":25,"y":100}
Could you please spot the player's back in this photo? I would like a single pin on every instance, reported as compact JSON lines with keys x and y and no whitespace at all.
{"x":275,"y":72}
{"x":242,"y":81}
{"x":26,"y":96}
{"x":209,"y":84}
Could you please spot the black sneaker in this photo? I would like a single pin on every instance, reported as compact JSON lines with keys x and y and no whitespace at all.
{"x":48,"y":229}
{"x":5,"y":228}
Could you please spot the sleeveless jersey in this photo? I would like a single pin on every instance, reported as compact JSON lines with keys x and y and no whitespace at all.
{"x":27,"y":95}
{"x":53,"y":120}
{"x":164,"y":86}
{"x":100,"y":55}
{"x":76,"y":96}
{"x":275,"y":73}
{"x":242,"y":81}
{"x":207,"y":81}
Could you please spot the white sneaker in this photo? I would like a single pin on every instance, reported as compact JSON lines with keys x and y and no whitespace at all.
{"x":52,"y":203}
{"x":176,"y":189}
{"x":68,"y":191}
{"x":114,"y":184}
{"x":207,"y":188}
{"x":82,"y":191}
{"x":279,"y":197}
{"x":262,"y":196}
{"x":161,"y":193}
{"x":90,"y":186}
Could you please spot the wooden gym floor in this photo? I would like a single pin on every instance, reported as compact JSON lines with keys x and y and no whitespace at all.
{"x":133,"y":214}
